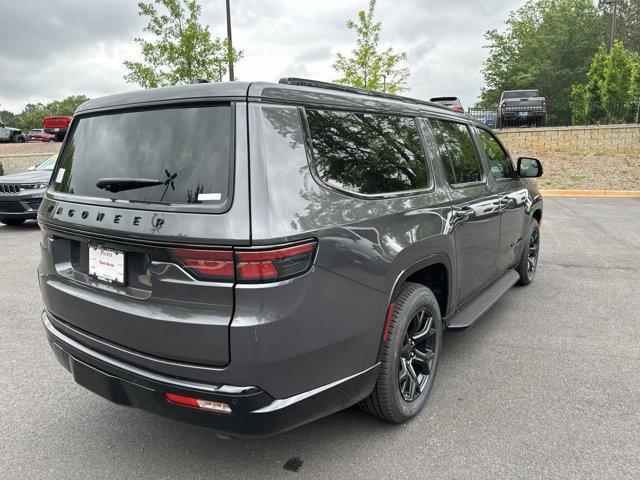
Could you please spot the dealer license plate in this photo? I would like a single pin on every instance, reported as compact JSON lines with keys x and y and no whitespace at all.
{"x":106,"y":264}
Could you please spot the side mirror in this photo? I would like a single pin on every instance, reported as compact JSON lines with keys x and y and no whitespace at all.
{"x":31,"y":168}
{"x":529,"y":167}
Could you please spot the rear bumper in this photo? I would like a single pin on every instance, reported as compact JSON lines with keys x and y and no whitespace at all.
{"x":254,"y":411}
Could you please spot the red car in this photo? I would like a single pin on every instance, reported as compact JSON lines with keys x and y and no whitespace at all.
{"x":57,"y":126}
{"x":39,"y":135}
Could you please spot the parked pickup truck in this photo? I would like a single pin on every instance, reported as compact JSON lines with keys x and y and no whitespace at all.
{"x":522,"y":108}
{"x":57,"y":126}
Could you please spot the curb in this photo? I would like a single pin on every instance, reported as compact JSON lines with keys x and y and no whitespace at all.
{"x":590,"y":193}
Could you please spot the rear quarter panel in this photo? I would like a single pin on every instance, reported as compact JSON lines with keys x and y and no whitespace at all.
{"x":364,"y":246}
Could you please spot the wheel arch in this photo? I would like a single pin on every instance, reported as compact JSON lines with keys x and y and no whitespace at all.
{"x":434,"y":272}
{"x":537,"y":213}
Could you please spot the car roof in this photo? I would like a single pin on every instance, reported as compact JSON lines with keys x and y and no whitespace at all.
{"x":318,"y":94}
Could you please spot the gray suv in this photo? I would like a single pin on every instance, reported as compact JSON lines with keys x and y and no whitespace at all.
{"x":280,"y":252}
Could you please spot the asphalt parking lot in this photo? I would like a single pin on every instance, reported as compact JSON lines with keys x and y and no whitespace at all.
{"x":547,"y":385}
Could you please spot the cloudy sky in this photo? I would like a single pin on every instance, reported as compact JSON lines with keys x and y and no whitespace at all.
{"x":72,"y":47}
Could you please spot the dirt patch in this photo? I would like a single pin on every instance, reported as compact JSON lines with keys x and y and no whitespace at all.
{"x":32,"y":148}
{"x":577,"y":169}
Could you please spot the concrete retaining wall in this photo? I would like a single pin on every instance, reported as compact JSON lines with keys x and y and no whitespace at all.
{"x":594,"y":138}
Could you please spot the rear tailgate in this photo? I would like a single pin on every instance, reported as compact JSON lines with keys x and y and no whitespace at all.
{"x":146,"y":301}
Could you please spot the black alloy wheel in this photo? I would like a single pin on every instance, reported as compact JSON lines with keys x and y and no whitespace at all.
{"x":417,"y":354}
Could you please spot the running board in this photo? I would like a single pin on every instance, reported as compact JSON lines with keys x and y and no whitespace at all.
{"x":472,"y":311}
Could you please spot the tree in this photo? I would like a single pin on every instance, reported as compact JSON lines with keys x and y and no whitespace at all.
{"x":616,"y":85}
{"x":548,"y":45}
{"x":627,"y":20}
{"x":368,"y":66}
{"x":7,"y":117}
{"x":182,"y":49}
{"x":594,"y":110}
{"x":611,"y":90}
{"x":579,"y":105}
{"x":34,"y":113}
{"x":635,"y":89}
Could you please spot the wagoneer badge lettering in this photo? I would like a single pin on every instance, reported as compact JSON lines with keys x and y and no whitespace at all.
{"x":157,"y":222}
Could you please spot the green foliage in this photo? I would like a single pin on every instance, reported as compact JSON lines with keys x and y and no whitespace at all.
{"x":579,"y":105}
{"x":548,"y":45}
{"x":611,"y":92}
{"x":616,"y":85}
{"x":34,"y":113}
{"x":182,"y":48}
{"x":628,"y":22}
{"x":594,"y":110}
{"x":368,"y":66}
{"x":635,"y":89}
{"x":8,"y":118}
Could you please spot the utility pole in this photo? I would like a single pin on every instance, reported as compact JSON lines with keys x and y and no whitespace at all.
{"x":614,"y":20}
{"x":229,"y":43}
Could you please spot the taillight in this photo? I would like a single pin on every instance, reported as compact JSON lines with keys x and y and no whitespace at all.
{"x":211,"y":264}
{"x":250,"y":266}
{"x":544,"y":103}
{"x":458,"y":108}
{"x":274,"y":264}
{"x":504,"y":105}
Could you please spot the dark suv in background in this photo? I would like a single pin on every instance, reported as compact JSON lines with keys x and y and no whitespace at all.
{"x":281,"y":252}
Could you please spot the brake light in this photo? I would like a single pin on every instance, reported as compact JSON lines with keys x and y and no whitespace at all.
{"x":276,"y":264}
{"x":504,"y":104}
{"x":458,"y":108}
{"x":544,"y":103}
{"x":213,"y":264}
{"x":255,"y":265}
{"x":198,"y":403}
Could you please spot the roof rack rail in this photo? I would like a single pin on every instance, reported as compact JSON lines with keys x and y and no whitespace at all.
{"x":305,"y":82}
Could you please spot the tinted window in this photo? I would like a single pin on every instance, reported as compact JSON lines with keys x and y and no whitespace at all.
{"x":499,"y":162}
{"x":48,"y":164}
{"x":187,"y":150}
{"x":521,"y":94}
{"x":367,"y":153}
{"x":458,"y":154}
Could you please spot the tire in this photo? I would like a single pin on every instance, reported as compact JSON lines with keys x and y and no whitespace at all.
{"x":13,"y":221}
{"x":415,"y":320}
{"x":529,"y":258}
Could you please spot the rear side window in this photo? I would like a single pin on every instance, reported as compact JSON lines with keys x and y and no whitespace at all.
{"x":459,"y":156}
{"x":499,"y":162}
{"x":367,"y":153}
{"x":185,"y":151}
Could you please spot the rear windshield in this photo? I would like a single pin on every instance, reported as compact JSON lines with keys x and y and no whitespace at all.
{"x":165,"y":156}
{"x":521,"y":94}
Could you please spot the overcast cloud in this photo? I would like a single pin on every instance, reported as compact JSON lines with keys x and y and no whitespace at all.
{"x":77,"y":47}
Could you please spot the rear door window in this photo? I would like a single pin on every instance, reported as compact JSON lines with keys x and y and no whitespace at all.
{"x":367,"y":153}
{"x":459,"y":156}
{"x":183,"y":155}
{"x":499,"y":162}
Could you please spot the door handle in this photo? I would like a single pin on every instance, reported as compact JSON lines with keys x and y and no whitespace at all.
{"x":463,"y":213}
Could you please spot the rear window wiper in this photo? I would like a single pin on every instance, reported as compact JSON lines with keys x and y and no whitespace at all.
{"x":121,"y":184}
